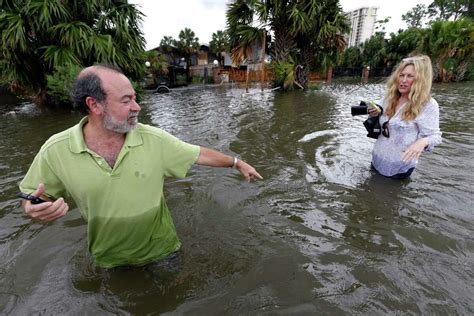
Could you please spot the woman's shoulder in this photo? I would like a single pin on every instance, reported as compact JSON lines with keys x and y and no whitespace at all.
{"x":432,"y":104}
{"x":429,"y":109}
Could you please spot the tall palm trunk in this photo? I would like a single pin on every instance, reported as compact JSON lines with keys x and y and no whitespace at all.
{"x":304,"y":71}
{"x":284,"y":44}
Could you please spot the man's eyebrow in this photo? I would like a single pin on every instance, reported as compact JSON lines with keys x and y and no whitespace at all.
{"x":127,"y":96}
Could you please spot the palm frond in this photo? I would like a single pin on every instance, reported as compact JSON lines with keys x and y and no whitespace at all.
{"x":45,"y":12}
{"x":57,"y":56}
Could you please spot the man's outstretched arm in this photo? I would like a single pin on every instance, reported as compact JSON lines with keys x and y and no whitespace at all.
{"x":213,"y":158}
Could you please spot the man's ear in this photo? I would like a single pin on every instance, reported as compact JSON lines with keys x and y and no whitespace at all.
{"x":93,"y":105}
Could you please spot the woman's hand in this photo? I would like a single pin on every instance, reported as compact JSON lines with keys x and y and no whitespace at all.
{"x":373,"y":112}
{"x":413,"y":152}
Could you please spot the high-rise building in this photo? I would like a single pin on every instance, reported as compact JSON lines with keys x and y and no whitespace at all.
{"x":362,"y":22}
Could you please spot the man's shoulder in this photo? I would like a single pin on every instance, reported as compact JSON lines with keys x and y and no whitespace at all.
{"x":58,"y":139}
{"x":158,"y":138}
{"x":152,"y":131}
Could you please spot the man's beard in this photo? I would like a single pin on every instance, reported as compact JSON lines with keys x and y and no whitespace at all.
{"x":115,"y":126}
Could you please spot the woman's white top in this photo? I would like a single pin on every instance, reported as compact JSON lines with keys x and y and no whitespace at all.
{"x":387,"y":153}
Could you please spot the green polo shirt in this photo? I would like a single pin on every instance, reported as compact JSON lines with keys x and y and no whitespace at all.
{"x":128,"y":220}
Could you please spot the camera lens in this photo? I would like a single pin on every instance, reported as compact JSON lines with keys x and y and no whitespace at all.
{"x":359,"y":110}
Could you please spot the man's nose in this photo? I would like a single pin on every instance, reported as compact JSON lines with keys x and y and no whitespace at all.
{"x":136,"y":107}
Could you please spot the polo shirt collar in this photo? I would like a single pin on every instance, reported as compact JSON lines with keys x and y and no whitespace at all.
{"x":78,"y":145}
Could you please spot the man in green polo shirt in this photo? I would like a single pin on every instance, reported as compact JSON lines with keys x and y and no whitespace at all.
{"x":113,"y":168}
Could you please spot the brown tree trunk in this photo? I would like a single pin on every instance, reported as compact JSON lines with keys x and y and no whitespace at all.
{"x":307,"y":63}
{"x":284,"y":43}
{"x":247,"y":79}
{"x":41,"y":98}
{"x":329,"y":74}
{"x":461,"y":70}
{"x":301,"y":77}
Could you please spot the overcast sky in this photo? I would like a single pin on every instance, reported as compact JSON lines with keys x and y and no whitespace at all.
{"x":204,"y":17}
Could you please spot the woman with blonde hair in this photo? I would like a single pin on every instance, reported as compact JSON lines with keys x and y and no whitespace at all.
{"x":410,"y":119}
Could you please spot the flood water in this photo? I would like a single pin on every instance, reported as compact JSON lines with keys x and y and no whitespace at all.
{"x":321,"y":234}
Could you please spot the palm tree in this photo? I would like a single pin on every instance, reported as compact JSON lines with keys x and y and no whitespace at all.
{"x":40,"y":37}
{"x":158,"y":64}
{"x":402,"y":44}
{"x":219,"y":44}
{"x":323,"y":41}
{"x":187,"y":44}
{"x":167,"y":43}
{"x":449,"y":42}
{"x":446,"y":40}
{"x":241,"y":34}
{"x":293,"y":23}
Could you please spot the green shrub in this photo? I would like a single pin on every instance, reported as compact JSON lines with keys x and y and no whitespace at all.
{"x":283,"y":74}
{"x":181,"y":79}
{"x":314,"y":86}
{"x":59,"y":84}
{"x":470,"y":72}
{"x":197,"y":79}
{"x":138,"y":90}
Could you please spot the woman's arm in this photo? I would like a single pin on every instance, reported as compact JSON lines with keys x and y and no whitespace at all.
{"x":428,"y":125}
{"x":429,"y":134}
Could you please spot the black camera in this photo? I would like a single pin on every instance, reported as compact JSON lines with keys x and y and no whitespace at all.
{"x":363,"y":108}
{"x":372,"y":124}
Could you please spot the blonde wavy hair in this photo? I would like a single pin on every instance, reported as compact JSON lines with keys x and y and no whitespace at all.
{"x":420,"y":92}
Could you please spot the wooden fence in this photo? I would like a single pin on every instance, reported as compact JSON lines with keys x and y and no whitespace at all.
{"x":240,"y":75}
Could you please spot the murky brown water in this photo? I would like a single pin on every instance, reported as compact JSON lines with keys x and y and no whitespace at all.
{"x":322,"y":234}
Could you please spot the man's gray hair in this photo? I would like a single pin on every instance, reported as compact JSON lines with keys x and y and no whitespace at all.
{"x":88,"y":84}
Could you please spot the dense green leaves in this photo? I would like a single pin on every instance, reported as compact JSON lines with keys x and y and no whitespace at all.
{"x":284,"y":74}
{"x":40,"y":37}
{"x":219,"y":44}
{"x":307,"y":32}
{"x":450,"y":44}
{"x":14,"y":32}
{"x":60,"y":82}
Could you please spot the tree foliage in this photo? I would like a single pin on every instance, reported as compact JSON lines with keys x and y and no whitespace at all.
{"x":304,"y":32}
{"x":40,"y":38}
{"x":449,"y":9}
{"x":416,"y":16}
{"x":219,"y":44}
{"x":187,"y":41}
{"x":187,"y":44}
{"x":450,"y":44}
